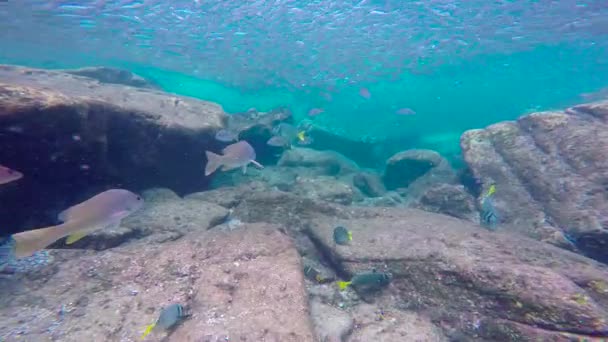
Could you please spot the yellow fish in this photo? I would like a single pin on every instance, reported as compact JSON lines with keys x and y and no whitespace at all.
{"x":343,"y":284}
{"x":301,"y":135}
{"x":148,"y":330}
{"x":491,"y":190}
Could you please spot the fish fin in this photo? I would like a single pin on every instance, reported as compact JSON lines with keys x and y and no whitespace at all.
{"x":75,"y":237}
{"x":244,"y":169}
{"x":301,"y":135}
{"x":214,"y":161}
{"x":148,"y":330}
{"x":491,"y":190}
{"x":257,"y":164}
{"x":343,"y":284}
{"x":350,"y":236}
{"x":319,"y":279}
{"x":78,"y":234}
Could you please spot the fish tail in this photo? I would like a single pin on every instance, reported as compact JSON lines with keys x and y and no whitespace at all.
{"x":343,"y":284}
{"x":491,"y":190}
{"x":148,"y":330}
{"x":214,"y":161}
{"x":350,"y":236}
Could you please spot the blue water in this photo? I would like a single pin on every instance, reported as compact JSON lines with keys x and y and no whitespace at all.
{"x":457,"y":64}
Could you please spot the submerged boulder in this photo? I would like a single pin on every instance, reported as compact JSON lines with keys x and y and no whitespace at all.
{"x":114,"y":76}
{"x":325,"y":162}
{"x":403,"y":168}
{"x":68,"y":134}
{"x":369,"y":183}
{"x":449,"y":199}
{"x":245,"y":284}
{"x":551,"y":174}
{"x":451,"y":276}
{"x":473,"y":284}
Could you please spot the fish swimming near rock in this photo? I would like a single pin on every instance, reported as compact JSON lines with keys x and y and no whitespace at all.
{"x":226,"y":135}
{"x":488,"y":215}
{"x":342,"y":236}
{"x":367,"y":282}
{"x":313,"y":274}
{"x":237,"y":155}
{"x":278,"y":141}
{"x":104,"y":210}
{"x":169,"y":318}
{"x":8,"y":175}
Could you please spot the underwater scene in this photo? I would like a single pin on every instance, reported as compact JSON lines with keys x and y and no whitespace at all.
{"x":303,"y":170}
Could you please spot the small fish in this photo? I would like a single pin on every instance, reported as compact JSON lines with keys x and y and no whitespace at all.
{"x":237,"y":155}
{"x":301,"y":135}
{"x":312,"y":274}
{"x":315,"y":111}
{"x":278,"y":141}
{"x":169,"y":317}
{"x":365,"y":93}
{"x":491,"y":190}
{"x":366,"y":282}
{"x":287,"y":131}
{"x":342,"y":236}
{"x":306,"y":141}
{"x":104,"y":210}
{"x":405,"y":111}
{"x":9,"y":175}
{"x":489,"y":217}
{"x":226,"y":135}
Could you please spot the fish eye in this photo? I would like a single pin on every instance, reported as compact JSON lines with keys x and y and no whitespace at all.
{"x":10,"y":172}
{"x":138,"y":198}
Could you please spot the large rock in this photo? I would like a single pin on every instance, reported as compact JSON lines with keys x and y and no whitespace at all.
{"x":242,"y":285}
{"x":473,"y":284}
{"x":449,"y":199}
{"x":551,"y":174}
{"x":404,"y":168}
{"x":326,"y":162}
{"x":323,"y":188}
{"x":113,"y":76}
{"x":369,"y":183}
{"x":460,"y":280}
{"x":68,"y":134}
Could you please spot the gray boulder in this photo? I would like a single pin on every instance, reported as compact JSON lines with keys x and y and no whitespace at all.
{"x":550,"y":173}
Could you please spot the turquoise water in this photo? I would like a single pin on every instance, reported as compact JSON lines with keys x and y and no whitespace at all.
{"x":495,"y":250}
{"x":460,"y":65}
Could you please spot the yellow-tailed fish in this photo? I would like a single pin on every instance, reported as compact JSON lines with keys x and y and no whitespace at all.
{"x":148,"y":330}
{"x":368,"y":281}
{"x":491,"y":190}
{"x":342,"y":235}
{"x":343,"y":284}
{"x":301,"y":135}
{"x":103,"y":210}
{"x":169,"y":318}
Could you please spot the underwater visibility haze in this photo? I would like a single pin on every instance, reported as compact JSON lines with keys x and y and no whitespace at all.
{"x":291,"y":170}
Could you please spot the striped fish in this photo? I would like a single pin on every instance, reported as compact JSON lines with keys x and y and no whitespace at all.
{"x":489,"y":217}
